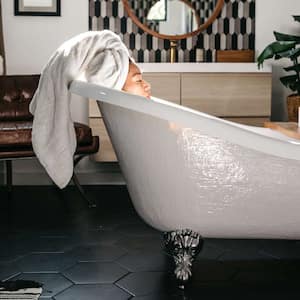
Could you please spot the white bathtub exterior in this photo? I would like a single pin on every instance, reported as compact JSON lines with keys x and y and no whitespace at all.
{"x":186,"y":169}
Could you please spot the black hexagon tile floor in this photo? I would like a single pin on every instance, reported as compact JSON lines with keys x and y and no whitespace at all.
{"x":93,"y":292}
{"x":8,"y":270}
{"x":93,"y":253}
{"x":109,"y":253}
{"x":95,"y":272}
{"x":144,"y":260}
{"x":143,"y":283}
{"x":52,"y":283}
{"x":45,"y":262}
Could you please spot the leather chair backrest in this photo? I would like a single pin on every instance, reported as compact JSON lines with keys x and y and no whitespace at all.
{"x":16,"y":92}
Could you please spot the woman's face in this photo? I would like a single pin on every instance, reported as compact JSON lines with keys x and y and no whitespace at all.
{"x":135,"y":84}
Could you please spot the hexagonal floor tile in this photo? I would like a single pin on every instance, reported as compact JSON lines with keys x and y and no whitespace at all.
{"x":251,"y":278}
{"x":234,"y":244}
{"x":94,"y":272}
{"x":93,"y":292}
{"x":212,"y":271}
{"x":45,"y":262}
{"x":143,"y":283}
{"x":52,"y":283}
{"x":153,"y":297}
{"x":165,"y":296}
{"x":8,"y":270}
{"x":96,"y":253}
{"x":153,"y":242}
{"x":142,"y":260}
{"x":280,"y":249}
{"x":15,"y":247}
{"x":133,"y":230}
{"x":99,"y":236}
{"x":51,"y":243}
{"x":210,"y":252}
{"x":245,"y":255}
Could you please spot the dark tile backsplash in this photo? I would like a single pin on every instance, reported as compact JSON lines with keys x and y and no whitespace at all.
{"x":234,"y":29}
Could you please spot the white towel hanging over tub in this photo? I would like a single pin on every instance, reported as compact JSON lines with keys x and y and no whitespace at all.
{"x":99,"y":57}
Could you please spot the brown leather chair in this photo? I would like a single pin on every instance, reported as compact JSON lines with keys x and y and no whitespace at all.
{"x":16,"y":92}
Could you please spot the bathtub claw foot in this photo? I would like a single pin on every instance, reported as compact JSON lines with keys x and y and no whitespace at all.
{"x":183,"y":246}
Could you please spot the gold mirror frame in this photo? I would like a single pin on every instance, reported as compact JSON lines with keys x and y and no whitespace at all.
{"x":202,"y":27}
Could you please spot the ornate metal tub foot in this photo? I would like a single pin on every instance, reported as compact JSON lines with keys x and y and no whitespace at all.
{"x":183,"y":246}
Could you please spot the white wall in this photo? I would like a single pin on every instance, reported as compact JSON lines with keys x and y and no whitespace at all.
{"x":276,"y":15}
{"x":29,"y":41}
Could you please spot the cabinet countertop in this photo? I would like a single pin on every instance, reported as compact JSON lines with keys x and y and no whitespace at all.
{"x":203,"y":68}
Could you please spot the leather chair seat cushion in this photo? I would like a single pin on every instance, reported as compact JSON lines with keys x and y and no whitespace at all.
{"x":18,"y":134}
{"x":15,"y":134}
{"x":21,"y":152}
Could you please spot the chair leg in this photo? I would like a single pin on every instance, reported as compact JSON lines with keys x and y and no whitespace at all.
{"x":8,"y":164}
{"x":91,"y":203}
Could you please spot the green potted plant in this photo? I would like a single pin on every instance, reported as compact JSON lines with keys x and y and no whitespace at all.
{"x":285,"y":46}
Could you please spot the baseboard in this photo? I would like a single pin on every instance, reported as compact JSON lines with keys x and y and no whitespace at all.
{"x":30,"y":172}
{"x":85,"y":178}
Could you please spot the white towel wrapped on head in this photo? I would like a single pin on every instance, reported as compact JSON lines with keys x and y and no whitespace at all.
{"x":98,"y":56}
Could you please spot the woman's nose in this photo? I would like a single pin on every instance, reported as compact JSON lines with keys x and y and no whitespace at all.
{"x":147,"y":86}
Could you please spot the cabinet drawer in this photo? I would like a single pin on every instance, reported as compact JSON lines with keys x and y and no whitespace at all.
{"x":228,"y":95}
{"x":164,"y":85}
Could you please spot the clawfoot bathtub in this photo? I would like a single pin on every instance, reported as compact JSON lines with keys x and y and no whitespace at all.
{"x":190,"y":173}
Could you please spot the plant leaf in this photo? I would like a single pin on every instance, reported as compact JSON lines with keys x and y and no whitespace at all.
{"x":295,"y":54}
{"x":292,"y":54}
{"x":286,"y":37}
{"x":273,"y":49}
{"x":296,"y":18}
{"x":289,"y":81}
{"x":295,"y":68}
{"x":296,"y":87}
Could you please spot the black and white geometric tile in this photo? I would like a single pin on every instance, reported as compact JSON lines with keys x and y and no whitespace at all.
{"x":234,"y":29}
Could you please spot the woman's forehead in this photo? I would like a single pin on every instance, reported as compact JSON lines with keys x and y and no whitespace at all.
{"x":134,"y":69}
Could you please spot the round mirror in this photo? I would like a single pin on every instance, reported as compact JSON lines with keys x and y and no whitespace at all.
{"x":173,"y":19}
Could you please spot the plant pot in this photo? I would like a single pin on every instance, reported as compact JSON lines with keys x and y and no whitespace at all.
{"x":293,"y":103}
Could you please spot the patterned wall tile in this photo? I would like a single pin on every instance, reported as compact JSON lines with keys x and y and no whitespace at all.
{"x":233,"y":29}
